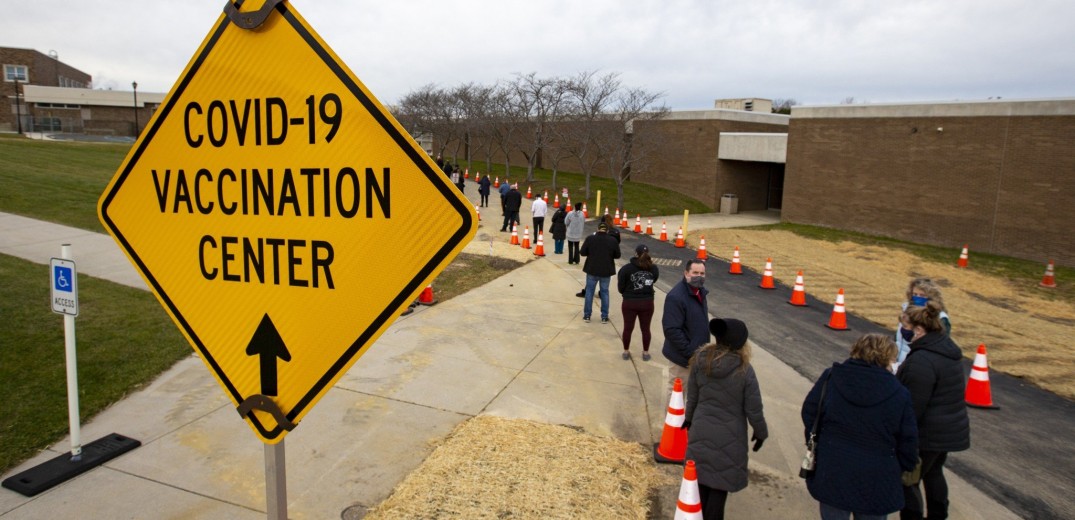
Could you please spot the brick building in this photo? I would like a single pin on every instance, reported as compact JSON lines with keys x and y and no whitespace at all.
{"x":998,"y":176}
{"x":29,"y":67}
{"x":55,"y":97}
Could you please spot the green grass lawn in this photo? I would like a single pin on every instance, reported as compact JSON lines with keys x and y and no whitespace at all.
{"x":124,"y":339}
{"x":56,"y":181}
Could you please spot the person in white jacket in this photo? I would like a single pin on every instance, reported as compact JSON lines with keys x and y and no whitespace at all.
{"x":538,"y":210}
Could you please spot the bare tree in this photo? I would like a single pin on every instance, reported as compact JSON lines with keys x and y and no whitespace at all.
{"x":539,"y":103}
{"x":783,"y":106}
{"x":590,"y":97}
{"x":619,"y":147}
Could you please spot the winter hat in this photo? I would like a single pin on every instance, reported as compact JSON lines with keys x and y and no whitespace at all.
{"x":641,"y":248}
{"x":602,"y":227}
{"x":730,"y":333}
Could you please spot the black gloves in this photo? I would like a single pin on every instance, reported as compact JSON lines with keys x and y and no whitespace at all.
{"x":757,"y":442}
{"x":686,"y":425}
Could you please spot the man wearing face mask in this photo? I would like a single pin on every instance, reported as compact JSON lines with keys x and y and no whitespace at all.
{"x":686,"y":318}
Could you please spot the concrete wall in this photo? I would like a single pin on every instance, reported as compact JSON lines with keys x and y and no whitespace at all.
{"x":743,"y":146}
{"x":997,"y":176}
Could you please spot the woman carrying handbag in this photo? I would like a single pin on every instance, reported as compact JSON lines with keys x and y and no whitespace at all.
{"x":866,"y":434}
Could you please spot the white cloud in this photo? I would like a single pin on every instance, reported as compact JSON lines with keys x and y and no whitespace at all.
{"x":693,"y":51}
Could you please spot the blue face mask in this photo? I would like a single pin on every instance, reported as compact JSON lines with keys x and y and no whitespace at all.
{"x":919,"y":300}
{"x":908,"y":335}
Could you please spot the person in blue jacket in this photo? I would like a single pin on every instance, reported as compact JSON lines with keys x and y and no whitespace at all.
{"x":686,"y":319}
{"x":867,"y":436}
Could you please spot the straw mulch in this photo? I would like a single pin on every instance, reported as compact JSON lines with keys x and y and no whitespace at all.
{"x":491,"y":467}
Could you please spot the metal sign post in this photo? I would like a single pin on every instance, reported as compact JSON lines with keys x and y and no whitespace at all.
{"x":275,"y":481}
{"x":65,"y":301}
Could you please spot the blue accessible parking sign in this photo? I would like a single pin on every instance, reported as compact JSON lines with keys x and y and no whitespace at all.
{"x":64,"y":285}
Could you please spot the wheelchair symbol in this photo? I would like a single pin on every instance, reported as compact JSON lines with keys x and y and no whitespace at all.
{"x":63,"y":279}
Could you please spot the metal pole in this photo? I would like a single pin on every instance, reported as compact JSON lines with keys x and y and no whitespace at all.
{"x":134,"y":85}
{"x":275,"y":482}
{"x":72,"y":374}
{"x":18,"y":106}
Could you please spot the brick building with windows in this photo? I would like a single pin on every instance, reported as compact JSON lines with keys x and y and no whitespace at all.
{"x":47,"y":95}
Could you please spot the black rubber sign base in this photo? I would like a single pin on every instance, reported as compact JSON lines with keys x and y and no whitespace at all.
{"x":61,"y":469}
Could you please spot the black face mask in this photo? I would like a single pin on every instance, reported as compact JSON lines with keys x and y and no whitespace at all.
{"x":908,"y":335}
{"x":696,"y":281}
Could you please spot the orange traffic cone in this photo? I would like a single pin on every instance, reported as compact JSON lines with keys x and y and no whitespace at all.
{"x":466,"y":173}
{"x":616,"y":220}
{"x":679,"y":239}
{"x":514,"y":234}
{"x":838,"y":320}
{"x":539,"y":249}
{"x":496,"y":183}
{"x":529,"y":194}
{"x":479,"y":212}
{"x":477,"y":176}
{"x":1049,"y":280}
{"x":978,"y":393}
{"x":638,"y":223}
{"x":568,"y":206}
{"x":585,"y":212}
{"x":798,"y":295}
{"x":962,"y":258}
{"x":736,"y":267}
{"x":649,"y":226}
{"x":767,"y":276}
{"x":664,"y":232}
{"x":526,"y":238}
{"x":556,"y":202}
{"x":624,"y":222}
{"x":426,"y":298}
{"x":546,"y":197}
{"x":606,"y":210}
{"x":673,"y":445}
{"x":702,"y":254}
{"x":689,"y":505}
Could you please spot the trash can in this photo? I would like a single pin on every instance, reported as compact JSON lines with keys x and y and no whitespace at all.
{"x":729,"y":204}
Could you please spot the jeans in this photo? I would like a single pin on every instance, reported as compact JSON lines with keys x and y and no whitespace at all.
{"x":559,"y":250}
{"x":587,"y":306}
{"x":834,"y":513}
{"x":936,"y":489}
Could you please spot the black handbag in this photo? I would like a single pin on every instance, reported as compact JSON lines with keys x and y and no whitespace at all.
{"x":810,"y":459}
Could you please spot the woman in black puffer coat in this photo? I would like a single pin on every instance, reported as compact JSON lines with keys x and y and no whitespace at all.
{"x":934,"y":374}
{"x":723,"y":396}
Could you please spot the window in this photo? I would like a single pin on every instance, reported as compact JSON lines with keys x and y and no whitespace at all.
{"x":16,"y":73}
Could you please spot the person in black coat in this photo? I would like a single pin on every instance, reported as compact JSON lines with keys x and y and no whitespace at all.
{"x":559,"y":230}
{"x":513,"y":200}
{"x":601,"y":252}
{"x":933,"y":372}
{"x":635,"y":282}
{"x":867,"y":435}
{"x":483,"y":189}
{"x":723,"y":396}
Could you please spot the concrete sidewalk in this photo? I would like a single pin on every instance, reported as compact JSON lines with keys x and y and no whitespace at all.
{"x":514,"y":347}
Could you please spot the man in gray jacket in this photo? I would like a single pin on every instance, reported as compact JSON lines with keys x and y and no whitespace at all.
{"x":575,"y":222}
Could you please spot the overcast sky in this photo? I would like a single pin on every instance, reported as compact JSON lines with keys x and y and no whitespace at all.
{"x":816,"y":52}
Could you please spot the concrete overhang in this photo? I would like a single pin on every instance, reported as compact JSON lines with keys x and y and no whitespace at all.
{"x":981,"y":108}
{"x":750,"y":146}
{"x":87,"y":97}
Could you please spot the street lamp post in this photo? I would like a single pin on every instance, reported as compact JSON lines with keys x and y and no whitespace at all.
{"x":134,"y":85}
{"x":18,"y":106}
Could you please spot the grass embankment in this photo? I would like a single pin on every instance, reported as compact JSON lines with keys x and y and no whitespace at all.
{"x":124,"y":339}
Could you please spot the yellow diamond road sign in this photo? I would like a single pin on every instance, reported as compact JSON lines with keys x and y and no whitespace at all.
{"x":281,"y":215}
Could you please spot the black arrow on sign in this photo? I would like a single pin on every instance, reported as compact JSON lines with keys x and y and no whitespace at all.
{"x":268,"y":344}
